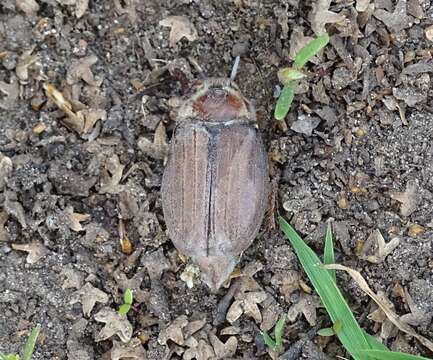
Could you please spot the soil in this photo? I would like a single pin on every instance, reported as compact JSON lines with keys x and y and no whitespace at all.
{"x":80,"y":208}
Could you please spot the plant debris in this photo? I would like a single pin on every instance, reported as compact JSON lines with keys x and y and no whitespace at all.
{"x":180,"y":27}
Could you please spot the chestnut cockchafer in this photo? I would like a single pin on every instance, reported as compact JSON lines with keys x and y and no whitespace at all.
{"x":215,"y":184}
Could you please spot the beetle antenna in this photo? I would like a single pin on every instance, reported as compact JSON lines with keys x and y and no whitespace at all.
{"x":235,"y":68}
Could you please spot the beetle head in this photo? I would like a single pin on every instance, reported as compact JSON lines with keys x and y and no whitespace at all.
{"x":217,"y":100}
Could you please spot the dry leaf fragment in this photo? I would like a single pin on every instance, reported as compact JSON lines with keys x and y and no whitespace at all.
{"x":247,"y":304}
{"x":409,"y":199}
{"x":131,"y":350}
{"x":80,"y":70}
{"x":5,"y":170}
{"x":73,"y":278}
{"x":297,"y":41}
{"x":75,"y":219}
{"x":190,"y":273}
{"x":320,"y":16}
{"x":306,"y":305}
{"x":203,"y":351}
{"x":10,"y":92}
{"x":91,"y":116}
{"x":81,"y":7}
{"x":14,"y":208}
{"x":223,"y":350}
{"x":429,"y":33}
{"x":89,"y":296}
{"x":73,"y":121}
{"x":29,"y":7}
{"x":115,"y":324}
{"x":375,"y":250}
{"x":397,"y":20}
{"x":362,"y":5}
{"x":24,"y":62}
{"x":35,"y":250}
{"x":111,"y":176}
{"x":174,"y":331}
{"x":180,"y":27}
{"x":4,"y":236}
{"x":158,"y":149}
{"x":392,"y":316}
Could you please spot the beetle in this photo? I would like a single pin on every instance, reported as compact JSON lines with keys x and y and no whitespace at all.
{"x":215,"y":184}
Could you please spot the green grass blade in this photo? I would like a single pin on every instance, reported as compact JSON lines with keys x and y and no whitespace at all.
{"x":374,"y":343}
{"x":270,"y":343}
{"x":328,"y":255}
{"x":310,"y":50}
{"x":390,"y":355}
{"x":351,"y":335}
{"x":279,"y":331}
{"x":285,"y":100}
{"x":29,"y":347}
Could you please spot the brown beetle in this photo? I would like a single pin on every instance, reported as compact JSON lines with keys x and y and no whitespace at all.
{"x":215,"y":184}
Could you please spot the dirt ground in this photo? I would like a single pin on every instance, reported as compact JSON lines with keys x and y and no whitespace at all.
{"x":88,"y":98}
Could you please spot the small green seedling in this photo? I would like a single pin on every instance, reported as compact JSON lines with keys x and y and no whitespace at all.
{"x":127,"y":302}
{"x":276,"y":344}
{"x":290,"y":76}
{"x":29,"y":347}
{"x":331,"y":331}
{"x":359,"y":344}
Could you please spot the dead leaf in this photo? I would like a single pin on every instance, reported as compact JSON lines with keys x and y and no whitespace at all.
{"x":287,"y":282}
{"x":223,"y":350}
{"x":131,"y":350}
{"x":320,"y":16}
{"x":307,"y":306}
{"x":4,"y":235}
{"x":174,"y":331}
{"x":203,"y":351}
{"x":91,"y":116}
{"x":180,"y":27}
{"x":297,"y":41}
{"x":193,"y":327}
{"x":29,"y":7}
{"x":397,"y":20}
{"x":417,"y":316}
{"x":409,"y":199}
{"x":89,"y":296}
{"x":128,"y":8}
{"x":14,"y":208}
{"x":375,"y":250}
{"x":156,"y":263}
{"x":73,"y":278}
{"x":190,"y":273}
{"x":362,"y":5}
{"x":112,"y":174}
{"x":80,"y":70}
{"x":24,"y":62}
{"x":115,"y":324}
{"x":75,"y":219}
{"x":5,"y":170}
{"x":391,"y":315}
{"x":35,"y":250}
{"x":11,"y":92}
{"x":247,"y":304}
{"x":126,"y":245}
{"x":81,"y":7}
{"x":73,"y":121}
{"x":158,"y":149}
